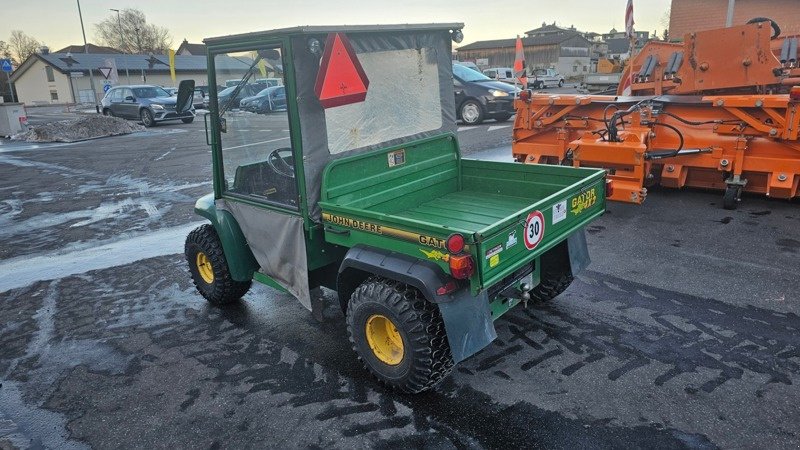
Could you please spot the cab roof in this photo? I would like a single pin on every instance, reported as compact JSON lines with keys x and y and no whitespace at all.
{"x":324,"y":29}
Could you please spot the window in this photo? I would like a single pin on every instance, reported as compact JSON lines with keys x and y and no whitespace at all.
{"x":574,"y":68}
{"x":584,"y":68}
{"x":50,"y":76}
{"x":116,"y":95}
{"x":54,"y":95}
{"x":257,"y":156}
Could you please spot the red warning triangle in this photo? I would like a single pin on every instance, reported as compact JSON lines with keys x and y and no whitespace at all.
{"x":341,"y":79}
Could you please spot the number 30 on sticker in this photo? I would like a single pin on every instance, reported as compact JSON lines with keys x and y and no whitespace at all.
{"x":534,"y":229}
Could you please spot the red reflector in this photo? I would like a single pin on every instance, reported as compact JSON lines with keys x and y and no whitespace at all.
{"x":455,"y":243}
{"x":794,"y":94}
{"x":447,"y":288}
{"x":461,"y":267}
{"x":609,"y":188}
{"x":525,"y":95}
{"x":341,"y":79}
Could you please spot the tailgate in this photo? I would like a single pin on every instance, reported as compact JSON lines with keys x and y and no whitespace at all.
{"x":519,"y":239}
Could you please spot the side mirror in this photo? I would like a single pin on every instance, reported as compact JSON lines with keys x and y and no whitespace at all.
{"x":130,"y":99}
{"x":185,"y":93}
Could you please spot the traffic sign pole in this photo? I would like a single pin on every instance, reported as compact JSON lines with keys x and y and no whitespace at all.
{"x":5,"y":66}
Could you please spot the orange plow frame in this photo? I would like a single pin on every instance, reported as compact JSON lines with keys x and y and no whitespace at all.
{"x":742,"y":135}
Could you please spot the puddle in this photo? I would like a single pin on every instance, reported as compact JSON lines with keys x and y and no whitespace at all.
{"x":22,"y":271}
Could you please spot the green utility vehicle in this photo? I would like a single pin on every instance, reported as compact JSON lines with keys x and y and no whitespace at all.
{"x":358,"y":185}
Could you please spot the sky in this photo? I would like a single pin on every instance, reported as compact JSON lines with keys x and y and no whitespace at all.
{"x":56,"y":22}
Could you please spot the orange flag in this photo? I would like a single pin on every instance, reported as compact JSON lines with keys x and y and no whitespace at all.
{"x":519,"y":65}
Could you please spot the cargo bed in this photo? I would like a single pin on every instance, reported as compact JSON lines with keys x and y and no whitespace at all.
{"x":434,"y":194}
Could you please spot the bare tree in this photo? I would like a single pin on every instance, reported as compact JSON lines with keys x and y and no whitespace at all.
{"x":665,"y":23}
{"x":22,"y":46}
{"x":132,"y":34}
{"x":5,"y":50}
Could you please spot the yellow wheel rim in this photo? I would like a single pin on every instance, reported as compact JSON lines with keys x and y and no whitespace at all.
{"x":384,"y":340}
{"x":204,"y":268}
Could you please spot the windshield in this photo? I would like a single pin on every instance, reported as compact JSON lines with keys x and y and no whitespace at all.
{"x":263,"y":92}
{"x":467,"y":74}
{"x":150,"y":92}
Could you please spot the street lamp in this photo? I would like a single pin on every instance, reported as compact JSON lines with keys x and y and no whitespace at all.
{"x":139,"y":50}
{"x":122,"y":43}
{"x":86,"y":50}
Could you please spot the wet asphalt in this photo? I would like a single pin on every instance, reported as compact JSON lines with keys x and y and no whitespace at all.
{"x":682,"y":333}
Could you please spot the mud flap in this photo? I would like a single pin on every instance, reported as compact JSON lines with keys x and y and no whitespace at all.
{"x":469,"y":325}
{"x":578,"y":252}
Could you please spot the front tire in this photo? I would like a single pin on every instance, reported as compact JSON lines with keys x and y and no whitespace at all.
{"x":502,"y":117}
{"x":560,"y":83}
{"x":108,"y":112}
{"x":209,"y":267}
{"x":188,"y":120}
{"x":471,"y":112}
{"x":398,"y":335}
{"x":147,"y":118}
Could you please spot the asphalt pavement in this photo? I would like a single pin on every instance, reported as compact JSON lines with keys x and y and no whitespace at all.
{"x":683,"y":332}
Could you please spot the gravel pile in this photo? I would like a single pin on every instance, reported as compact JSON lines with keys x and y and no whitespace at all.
{"x":87,"y":127}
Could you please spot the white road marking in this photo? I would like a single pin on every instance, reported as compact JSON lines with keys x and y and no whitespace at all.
{"x":467,"y":128}
{"x":254,"y":143}
{"x":497,"y":127}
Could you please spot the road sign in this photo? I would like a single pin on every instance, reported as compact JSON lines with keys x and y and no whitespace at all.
{"x":106,"y":87}
{"x":5,"y":64}
{"x":105,"y":71}
{"x":112,"y":76}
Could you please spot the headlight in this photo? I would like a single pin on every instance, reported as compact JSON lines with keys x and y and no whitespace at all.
{"x":498,"y":93}
{"x":156,"y":106}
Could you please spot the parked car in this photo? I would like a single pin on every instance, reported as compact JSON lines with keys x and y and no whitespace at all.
{"x":171,"y":90}
{"x":268,"y":100}
{"x":543,"y":78}
{"x":268,"y":82}
{"x":468,"y":64}
{"x":500,"y":74}
{"x":248,"y":90}
{"x":479,"y":97}
{"x":150,"y":104}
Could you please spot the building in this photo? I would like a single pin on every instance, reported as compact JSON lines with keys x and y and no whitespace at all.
{"x":549,"y":46}
{"x":191,"y":49}
{"x":56,"y":78}
{"x":687,"y":16}
{"x":91,"y":47}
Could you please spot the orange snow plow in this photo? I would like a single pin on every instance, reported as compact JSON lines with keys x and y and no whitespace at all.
{"x":719,"y":111}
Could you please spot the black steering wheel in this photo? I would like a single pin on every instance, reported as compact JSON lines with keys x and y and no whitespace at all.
{"x":277,"y":161}
{"x":776,"y":30}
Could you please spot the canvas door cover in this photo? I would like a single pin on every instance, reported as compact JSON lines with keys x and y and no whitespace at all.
{"x":410,"y":97}
{"x":278,"y":244}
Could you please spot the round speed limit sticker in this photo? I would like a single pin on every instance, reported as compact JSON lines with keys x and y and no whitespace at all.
{"x":534,"y":229}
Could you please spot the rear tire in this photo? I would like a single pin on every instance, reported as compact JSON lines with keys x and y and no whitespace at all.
{"x":502,"y":117}
{"x":188,"y":120}
{"x":209,"y":267}
{"x":414,"y":354}
{"x":555,"y":275}
{"x":560,"y":83}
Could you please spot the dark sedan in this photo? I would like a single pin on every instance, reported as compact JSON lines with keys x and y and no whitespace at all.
{"x":268,"y":100}
{"x":479,"y":97}
{"x":150,"y":104}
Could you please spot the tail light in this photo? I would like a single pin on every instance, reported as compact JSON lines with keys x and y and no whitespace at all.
{"x":461,"y":266}
{"x":449,"y":287}
{"x":609,"y":188}
{"x":455,"y":243}
{"x":794,"y":94}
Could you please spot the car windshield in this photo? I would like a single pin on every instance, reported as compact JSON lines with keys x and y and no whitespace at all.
{"x":263,"y":92}
{"x":150,"y":92}
{"x":467,"y":74}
